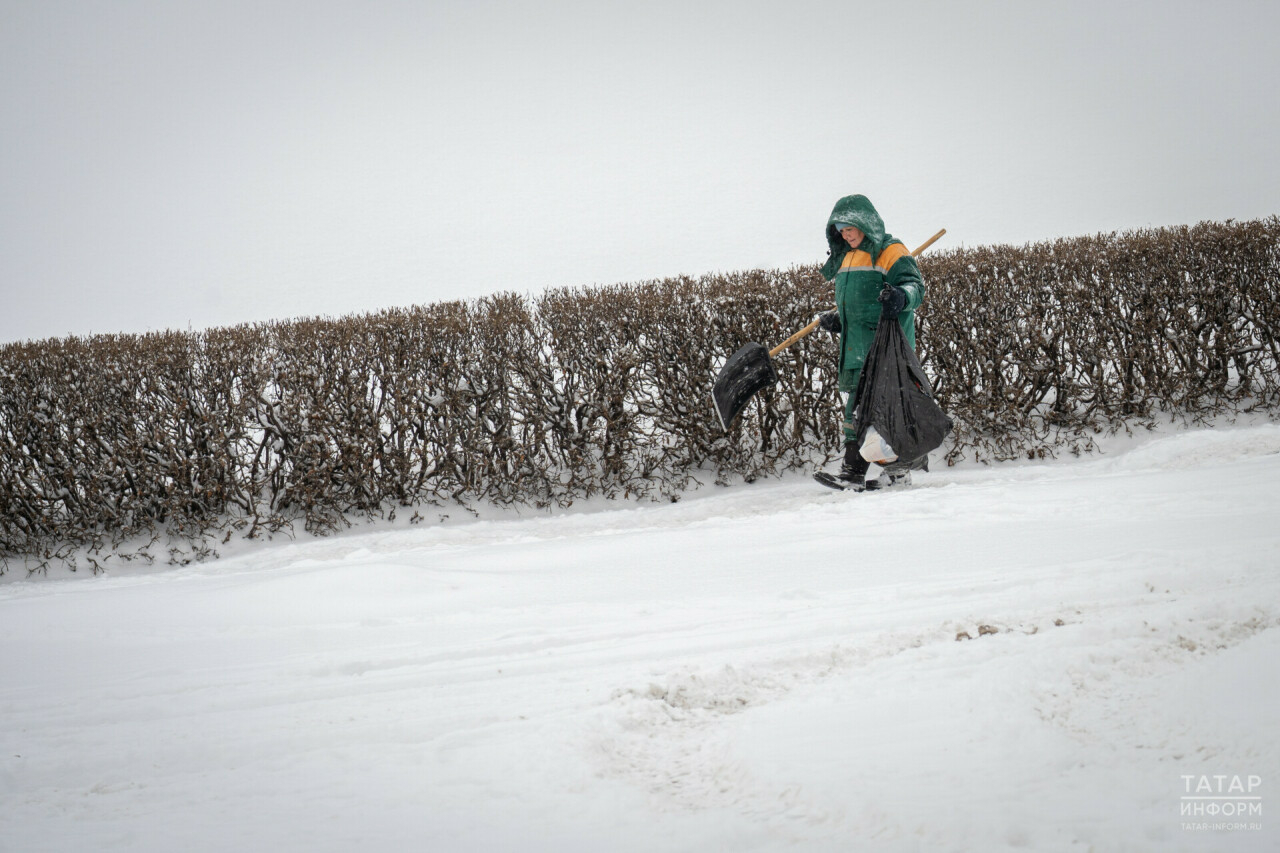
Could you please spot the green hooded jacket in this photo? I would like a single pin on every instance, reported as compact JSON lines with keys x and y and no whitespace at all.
{"x":860,"y":273}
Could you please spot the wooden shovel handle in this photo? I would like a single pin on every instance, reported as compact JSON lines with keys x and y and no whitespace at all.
{"x":927,"y":243}
{"x":809,"y":328}
{"x":791,"y":340}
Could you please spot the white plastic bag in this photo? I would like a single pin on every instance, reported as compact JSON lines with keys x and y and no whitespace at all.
{"x":876,"y":449}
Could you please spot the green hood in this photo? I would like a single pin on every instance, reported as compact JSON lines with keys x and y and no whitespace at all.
{"x":856,"y":210}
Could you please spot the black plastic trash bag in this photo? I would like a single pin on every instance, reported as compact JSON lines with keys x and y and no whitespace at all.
{"x":894,"y":397}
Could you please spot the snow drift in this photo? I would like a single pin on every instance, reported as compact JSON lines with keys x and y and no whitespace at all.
{"x":1024,"y":657}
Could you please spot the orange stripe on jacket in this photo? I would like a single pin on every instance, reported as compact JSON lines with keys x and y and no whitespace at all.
{"x":856,"y":259}
{"x":891,"y":256}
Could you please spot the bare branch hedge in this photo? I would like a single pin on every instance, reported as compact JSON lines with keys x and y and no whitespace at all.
{"x":166,"y":444}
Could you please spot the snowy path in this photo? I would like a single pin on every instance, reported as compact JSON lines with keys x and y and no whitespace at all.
{"x":767,"y":667}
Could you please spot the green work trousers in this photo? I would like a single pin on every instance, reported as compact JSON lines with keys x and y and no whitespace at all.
{"x":849,"y":379}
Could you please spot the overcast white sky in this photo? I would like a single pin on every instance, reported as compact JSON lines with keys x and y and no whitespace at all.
{"x":209,"y":162}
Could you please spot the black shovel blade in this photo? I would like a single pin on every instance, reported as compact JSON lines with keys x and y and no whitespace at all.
{"x":746,"y":372}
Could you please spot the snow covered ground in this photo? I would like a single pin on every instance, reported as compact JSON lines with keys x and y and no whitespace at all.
{"x":766,"y":667}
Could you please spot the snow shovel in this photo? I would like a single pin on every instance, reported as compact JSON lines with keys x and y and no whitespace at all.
{"x":751,"y":367}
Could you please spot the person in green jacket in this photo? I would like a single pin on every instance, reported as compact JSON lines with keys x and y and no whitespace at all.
{"x":874,"y":274}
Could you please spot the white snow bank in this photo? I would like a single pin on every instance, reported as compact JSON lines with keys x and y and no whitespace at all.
{"x":766,"y":667}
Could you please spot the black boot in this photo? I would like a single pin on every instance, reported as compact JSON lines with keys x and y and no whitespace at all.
{"x":853,"y":471}
{"x":896,"y":474}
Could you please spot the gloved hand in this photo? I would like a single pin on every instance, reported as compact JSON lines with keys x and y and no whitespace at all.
{"x":831,"y":322}
{"x":892,"y":301}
